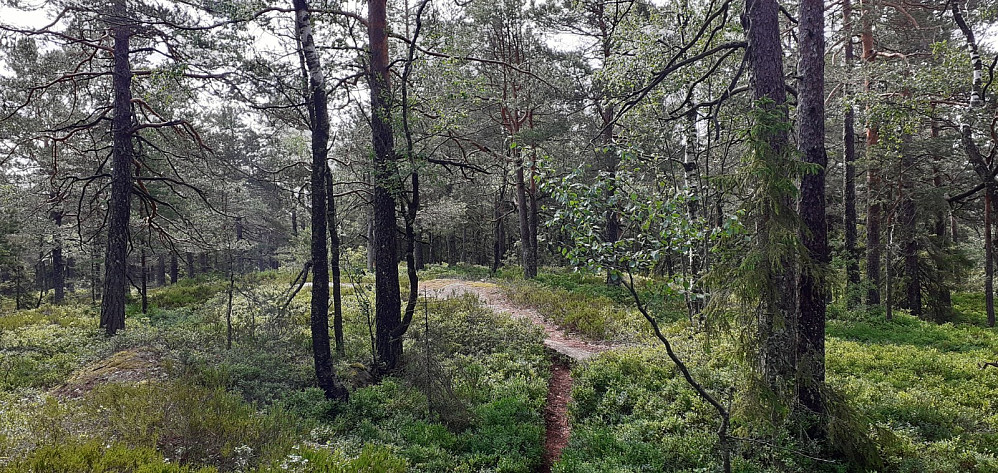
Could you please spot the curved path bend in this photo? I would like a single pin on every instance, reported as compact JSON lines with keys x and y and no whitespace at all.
{"x":555,"y":337}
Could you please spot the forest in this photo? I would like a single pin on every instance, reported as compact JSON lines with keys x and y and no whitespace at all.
{"x":523,"y":236}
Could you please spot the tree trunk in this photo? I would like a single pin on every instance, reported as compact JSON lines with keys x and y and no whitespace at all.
{"x":523,"y":211}
{"x":909,"y":249}
{"x":58,"y":265}
{"x":811,"y":141}
{"x":144,"y":279}
{"x":370,"y":243}
{"x":334,"y":265}
{"x":989,"y":262}
{"x":498,"y":230}
{"x":174,"y":268}
{"x":161,"y":270}
{"x":189,"y":257}
{"x":113,"y":301}
{"x":387,"y":297}
{"x":778,"y":311}
{"x":873,"y":245}
{"x":849,"y":156}
{"x":317,"y":103}
{"x":419,"y":256}
{"x":532,"y":221}
{"x":69,"y":272}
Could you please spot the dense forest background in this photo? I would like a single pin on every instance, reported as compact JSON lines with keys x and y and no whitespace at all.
{"x":781,"y":214}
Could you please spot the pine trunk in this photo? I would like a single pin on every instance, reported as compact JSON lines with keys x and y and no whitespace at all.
{"x":811,"y":141}
{"x":523,"y":214}
{"x":778,"y":314}
{"x":989,"y":261}
{"x":387,"y":297}
{"x":161,"y":270}
{"x":334,"y":265}
{"x":58,"y":264}
{"x":849,"y":191}
{"x":113,"y":296}
{"x":174,"y":268}
{"x":317,"y":102}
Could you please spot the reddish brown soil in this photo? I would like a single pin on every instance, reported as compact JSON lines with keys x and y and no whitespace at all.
{"x":556,"y":413}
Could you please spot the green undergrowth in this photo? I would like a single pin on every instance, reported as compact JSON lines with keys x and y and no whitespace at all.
{"x":914,"y":387}
{"x":469,"y":398}
{"x":923,"y":383}
{"x":632,"y":411}
{"x":587,"y":305}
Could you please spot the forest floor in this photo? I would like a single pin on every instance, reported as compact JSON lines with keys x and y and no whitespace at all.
{"x":504,"y":375}
{"x":568,"y":347}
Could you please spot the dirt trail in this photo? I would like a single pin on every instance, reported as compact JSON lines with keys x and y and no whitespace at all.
{"x":556,"y":413}
{"x":572,"y":348}
{"x":555,"y":337}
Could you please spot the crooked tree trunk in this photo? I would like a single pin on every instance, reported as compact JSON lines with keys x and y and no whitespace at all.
{"x":977,"y":161}
{"x":119,"y":208}
{"x":811,"y":141}
{"x":387,"y":297}
{"x":317,"y":102}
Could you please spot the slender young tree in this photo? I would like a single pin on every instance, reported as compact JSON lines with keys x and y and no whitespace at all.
{"x":318,"y":110}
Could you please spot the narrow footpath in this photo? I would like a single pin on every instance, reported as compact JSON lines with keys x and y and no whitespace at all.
{"x":568,"y":348}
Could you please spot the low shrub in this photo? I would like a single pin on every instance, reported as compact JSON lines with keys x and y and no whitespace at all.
{"x":98,"y":457}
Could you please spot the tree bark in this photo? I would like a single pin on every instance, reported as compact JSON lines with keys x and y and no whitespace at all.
{"x":778,"y":311}
{"x":989,"y":262}
{"x":387,"y":297}
{"x":334,"y":265}
{"x":174,"y":268}
{"x":811,"y":142}
{"x":191,"y":272}
{"x":532,"y":221}
{"x":873,"y":245}
{"x":523,"y":213}
{"x":498,"y":230}
{"x":161,"y":270}
{"x":113,"y":296}
{"x":909,"y":249}
{"x":317,"y":103}
{"x":849,"y":184}
{"x":144,"y":281}
{"x":58,"y":265}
